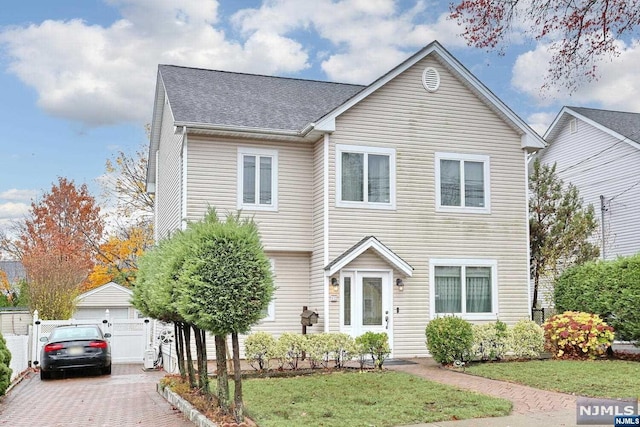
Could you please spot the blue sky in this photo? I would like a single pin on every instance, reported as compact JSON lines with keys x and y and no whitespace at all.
{"x":77,"y":76}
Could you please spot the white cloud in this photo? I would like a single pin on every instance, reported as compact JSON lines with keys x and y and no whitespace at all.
{"x":105,"y":75}
{"x":11,"y":210}
{"x":20,"y":195}
{"x":540,"y":122}
{"x":617,"y":87}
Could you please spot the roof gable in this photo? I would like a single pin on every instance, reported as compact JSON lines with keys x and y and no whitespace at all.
{"x":529,"y":138}
{"x":107,"y":286}
{"x":624,"y":126}
{"x":369,"y":242}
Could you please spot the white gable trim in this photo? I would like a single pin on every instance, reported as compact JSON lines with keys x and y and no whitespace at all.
{"x":530,"y":139}
{"x":569,"y":112}
{"x":102,"y":288}
{"x":384,"y":252}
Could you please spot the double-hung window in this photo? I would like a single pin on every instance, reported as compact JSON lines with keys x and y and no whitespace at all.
{"x":365,"y":177}
{"x":257,"y":179}
{"x":464,"y":287}
{"x":462,"y":183}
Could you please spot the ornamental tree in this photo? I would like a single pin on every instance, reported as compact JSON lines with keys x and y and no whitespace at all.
{"x":579,"y":33}
{"x":226,"y":286}
{"x":559,"y":226}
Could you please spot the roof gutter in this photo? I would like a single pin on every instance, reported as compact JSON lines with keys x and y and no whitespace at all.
{"x":244,"y":129}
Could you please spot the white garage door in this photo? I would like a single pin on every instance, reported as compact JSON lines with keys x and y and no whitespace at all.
{"x":99,"y":313}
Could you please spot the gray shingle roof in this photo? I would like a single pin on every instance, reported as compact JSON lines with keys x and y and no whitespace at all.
{"x":221,"y":98}
{"x":626,"y":124}
{"x":14,"y":270}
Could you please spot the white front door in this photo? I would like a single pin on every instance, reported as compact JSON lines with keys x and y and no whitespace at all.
{"x":366,"y":302}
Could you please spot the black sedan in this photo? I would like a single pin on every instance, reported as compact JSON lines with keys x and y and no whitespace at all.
{"x":75,"y":347}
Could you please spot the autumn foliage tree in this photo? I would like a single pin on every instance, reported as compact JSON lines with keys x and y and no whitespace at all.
{"x":131,"y":220}
{"x":56,"y":246}
{"x":578,"y":32}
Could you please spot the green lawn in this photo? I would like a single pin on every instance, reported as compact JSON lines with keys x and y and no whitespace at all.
{"x":597,"y":378}
{"x":362,"y":399}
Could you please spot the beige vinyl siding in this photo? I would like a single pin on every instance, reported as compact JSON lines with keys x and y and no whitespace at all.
{"x":212,"y":182}
{"x":168,"y":196}
{"x":292,"y":293}
{"x":402,"y":115}
{"x":106,"y":297}
{"x":607,"y":172}
{"x":317,"y":278}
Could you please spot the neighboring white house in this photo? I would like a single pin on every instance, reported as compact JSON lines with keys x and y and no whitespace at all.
{"x":380,"y":206}
{"x":110,"y":296}
{"x":598,"y":151}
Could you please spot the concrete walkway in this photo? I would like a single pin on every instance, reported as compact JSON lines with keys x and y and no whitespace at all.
{"x":531,"y":407}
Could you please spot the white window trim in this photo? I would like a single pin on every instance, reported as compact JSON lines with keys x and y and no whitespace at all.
{"x":487,"y":183}
{"x":391,"y":152}
{"x":250,"y":151}
{"x":469,"y":262}
{"x":271,"y":309}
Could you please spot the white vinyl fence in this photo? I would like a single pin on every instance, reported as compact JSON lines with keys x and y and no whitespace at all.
{"x":18,"y":346}
{"x":129,"y":337}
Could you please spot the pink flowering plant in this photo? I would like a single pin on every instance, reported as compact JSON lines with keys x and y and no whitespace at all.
{"x":577,"y":335}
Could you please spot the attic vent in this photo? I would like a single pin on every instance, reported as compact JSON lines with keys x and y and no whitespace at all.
{"x":431,"y":79}
{"x":573,"y":126}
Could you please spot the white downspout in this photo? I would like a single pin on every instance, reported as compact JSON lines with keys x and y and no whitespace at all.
{"x":526,"y":193}
{"x":325,"y":284}
{"x":183,"y":210}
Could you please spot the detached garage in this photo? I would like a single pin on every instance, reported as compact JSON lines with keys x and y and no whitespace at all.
{"x":110,"y":296}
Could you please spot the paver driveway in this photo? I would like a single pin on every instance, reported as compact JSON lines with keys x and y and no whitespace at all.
{"x":127,"y":397}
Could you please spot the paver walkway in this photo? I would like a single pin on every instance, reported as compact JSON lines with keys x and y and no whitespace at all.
{"x":127,"y":397}
{"x":525,"y":399}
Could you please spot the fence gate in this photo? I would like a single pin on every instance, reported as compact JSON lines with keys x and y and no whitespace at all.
{"x":129,"y":337}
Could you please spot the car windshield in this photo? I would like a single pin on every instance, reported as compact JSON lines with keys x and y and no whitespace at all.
{"x":81,"y":333}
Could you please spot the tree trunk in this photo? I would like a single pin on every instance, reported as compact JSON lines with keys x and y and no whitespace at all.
{"x":187,"y":344}
{"x":221,"y":373}
{"x":177,"y":332}
{"x":201,"y":378}
{"x":238,"y":408}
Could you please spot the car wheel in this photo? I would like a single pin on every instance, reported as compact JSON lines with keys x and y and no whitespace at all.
{"x":106,"y":370}
{"x":45,"y":375}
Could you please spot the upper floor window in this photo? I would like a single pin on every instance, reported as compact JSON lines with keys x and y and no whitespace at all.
{"x":257,"y":179}
{"x":365,"y":177}
{"x":462,"y":183}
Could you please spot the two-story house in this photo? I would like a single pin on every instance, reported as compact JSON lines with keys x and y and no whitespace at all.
{"x":598,"y":151}
{"x":381,"y":206}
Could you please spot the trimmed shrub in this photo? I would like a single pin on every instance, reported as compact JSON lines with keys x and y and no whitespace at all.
{"x":577,"y":335}
{"x":318,"y":348}
{"x":490,"y":340}
{"x":449,"y":339}
{"x":610,"y":289}
{"x":375,"y":344}
{"x":526,"y":339}
{"x":5,"y":370}
{"x":342,"y":348}
{"x":289,"y":349}
{"x":258,"y":349}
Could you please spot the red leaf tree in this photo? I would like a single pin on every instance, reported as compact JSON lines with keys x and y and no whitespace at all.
{"x":56,"y":243}
{"x":578,"y":32}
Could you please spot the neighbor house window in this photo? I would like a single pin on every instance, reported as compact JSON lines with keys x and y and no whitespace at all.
{"x":462,"y":182}
{"x":269,"y":314}
{"x":365,"y":177}
{"x":464,"y":287}
{"x":257,"y":179}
